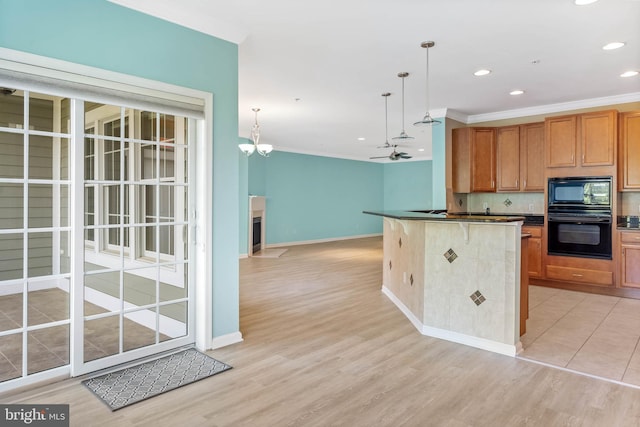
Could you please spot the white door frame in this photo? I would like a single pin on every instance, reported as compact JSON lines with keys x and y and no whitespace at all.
{"x":41,"y":71}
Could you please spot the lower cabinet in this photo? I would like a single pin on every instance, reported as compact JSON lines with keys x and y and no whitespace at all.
{"x":630,"y":259}
{"x":534,"y":250}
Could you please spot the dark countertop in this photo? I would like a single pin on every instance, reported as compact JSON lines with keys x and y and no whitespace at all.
{"x":445,"y":217}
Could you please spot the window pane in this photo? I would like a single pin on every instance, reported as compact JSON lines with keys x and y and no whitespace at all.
{"x":11,"y":363}
{"x":101,"y":337}
{"x":139,"y":329}
{"x":12,"y":110}
{"x":98,"y":289}
{"x":11,"y":306}
{"x":167,"y":162}
{"x":167,"y":128}
{"x":140,"y":286}
{"x":40,"y":113}
{"x":40,"y":205}
{"x":40,"y":253}
{"x":11,"y":250}
{"x":173,"y":321}
{"x":11,"y":154}
{"x":11,"y":206}
{"x":148,"y":161}
{"x":48,"y":348}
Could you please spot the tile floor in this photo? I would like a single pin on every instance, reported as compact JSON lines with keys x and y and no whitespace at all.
{"x":593,"y":334}
{"x":49,"y":347}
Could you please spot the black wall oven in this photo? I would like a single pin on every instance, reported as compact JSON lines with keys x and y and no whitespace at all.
{"x":579,"y":218}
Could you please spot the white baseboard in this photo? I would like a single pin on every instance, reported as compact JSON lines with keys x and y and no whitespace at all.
{"x":481,"y":343}
{"x":330,"y":239}
{"x":243,"y":256}
{"x":225,"y":340}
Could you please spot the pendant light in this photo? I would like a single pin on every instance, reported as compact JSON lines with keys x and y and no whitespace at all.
{"x":403,"y":135}
{"x":427,"y":120}
{"x":262,"y":149}
{"x":386,"y":122}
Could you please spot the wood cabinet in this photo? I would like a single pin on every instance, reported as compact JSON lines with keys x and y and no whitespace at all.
{"x":630,"y":259}
{"x":532,"y":157}
{"x":534,"y":250}
{"x":474,"y":160}
{"x":520,"y":158}
{"x":629,"y":149}
{"x":560,"y":141}
{"x":508,"y":158}
{"x":581,"y":140}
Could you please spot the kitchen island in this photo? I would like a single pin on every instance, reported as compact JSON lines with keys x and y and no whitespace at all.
{"x":456,"y":277}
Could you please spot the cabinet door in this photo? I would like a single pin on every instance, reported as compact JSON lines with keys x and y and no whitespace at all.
{"x":532,"y":157}
{"x":598,"y":133}
{"x":560,"y":141}
{"x":508,"y":158}
{"x":534,"y":250}
{"x":483,"y":160}
{"x":630,"y":150}
{"x":631,"y":266}
{"x":460,"y":161}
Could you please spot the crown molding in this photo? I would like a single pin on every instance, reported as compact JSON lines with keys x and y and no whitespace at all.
{"x":555,"y":108}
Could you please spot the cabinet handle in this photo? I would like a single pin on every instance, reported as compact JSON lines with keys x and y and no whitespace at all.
{"x":517,"y":182}
{"x":524,"y":184}
{"x":576,"y":275}
{"x":493,"y":183}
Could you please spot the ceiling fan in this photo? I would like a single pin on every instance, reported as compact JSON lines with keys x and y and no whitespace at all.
{"x":395,"y":155}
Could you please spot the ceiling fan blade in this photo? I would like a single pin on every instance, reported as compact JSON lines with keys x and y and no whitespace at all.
{"x":406,"y":157}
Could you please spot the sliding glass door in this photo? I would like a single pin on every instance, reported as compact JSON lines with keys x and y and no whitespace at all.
{"x":95,"y":208}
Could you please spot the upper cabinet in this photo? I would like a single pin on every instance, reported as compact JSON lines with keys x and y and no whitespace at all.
{"x":581,"y":140}
{"x":474,"y":160}
{"x":520,"y":158}
{"x":532,"y":157}
{"x":629,"y":162}
{"x":508,"y":156}
{"x":561,"y":139}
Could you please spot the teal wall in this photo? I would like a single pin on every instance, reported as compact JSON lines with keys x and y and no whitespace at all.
{"x":408,"y":185}
{"x":439,"y":184}
{"x":314,"y":198}
{"x":101,"y":34}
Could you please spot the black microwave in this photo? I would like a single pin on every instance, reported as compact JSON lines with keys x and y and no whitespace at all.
{"x":580,"y":193}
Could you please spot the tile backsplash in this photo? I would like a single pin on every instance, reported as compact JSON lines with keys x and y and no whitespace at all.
{"x":630,"y":204}
{"x":523,"y":203}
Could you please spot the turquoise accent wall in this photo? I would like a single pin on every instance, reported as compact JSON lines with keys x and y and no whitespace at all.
{"x":314,"y":198}
{"x":101,"y":34}
{"x":438,"y":154}
{"x":408,"y":185}
{"x":243,"y":190}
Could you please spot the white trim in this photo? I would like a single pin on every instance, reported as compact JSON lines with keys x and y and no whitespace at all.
{"x":18,"y":385}
{"x":202,"y":230}
{"x":30,"y":68}
{"x":225,"y":340}
{"x":330,"y":239}
{"x":243,"y":256}
{"x":481,"y":343}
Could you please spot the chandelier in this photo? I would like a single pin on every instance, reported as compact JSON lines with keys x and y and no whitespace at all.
{"x":262,"y":149}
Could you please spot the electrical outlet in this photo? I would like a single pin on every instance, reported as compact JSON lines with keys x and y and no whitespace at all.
{"x":485,"y":205}
{"x":531,"y":207}
{"x":404,"y":277}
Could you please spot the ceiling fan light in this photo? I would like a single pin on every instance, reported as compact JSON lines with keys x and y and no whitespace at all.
{"x":584,"y":2}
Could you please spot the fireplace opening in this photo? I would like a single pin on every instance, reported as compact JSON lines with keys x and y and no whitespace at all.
{"x":256,"y":240}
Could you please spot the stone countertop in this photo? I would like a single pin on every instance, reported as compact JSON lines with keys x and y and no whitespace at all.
{"x":444,"y":217}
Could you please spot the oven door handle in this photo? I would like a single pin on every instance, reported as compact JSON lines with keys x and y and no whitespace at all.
{"x":580,"y":219}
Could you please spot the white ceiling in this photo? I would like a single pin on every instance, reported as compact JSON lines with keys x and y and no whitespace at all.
{"x":317,"y":69}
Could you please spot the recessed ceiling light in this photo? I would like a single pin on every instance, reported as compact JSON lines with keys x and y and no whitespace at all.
{"x":361,"y":139}
{"x":482,"y":72}
{"x":584,"y":2}
{"x":420,"y":149}
{"x":516,"y":92}
{"x":629,"y":74}
{"x":613,"y":45}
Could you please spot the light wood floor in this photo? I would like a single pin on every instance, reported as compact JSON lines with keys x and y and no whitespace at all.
{"x":323,"y":346}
